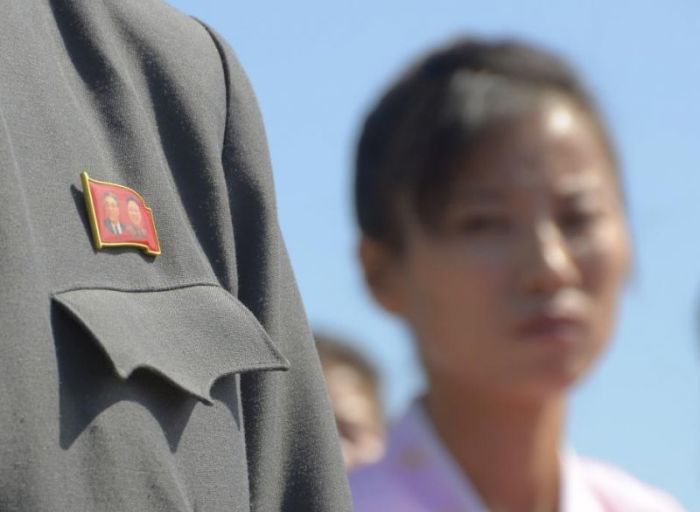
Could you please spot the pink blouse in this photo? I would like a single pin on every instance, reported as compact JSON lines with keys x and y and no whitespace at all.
{"x":418,"y":475}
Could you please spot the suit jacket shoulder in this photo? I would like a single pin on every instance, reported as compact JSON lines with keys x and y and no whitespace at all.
{"x":186,"y":381}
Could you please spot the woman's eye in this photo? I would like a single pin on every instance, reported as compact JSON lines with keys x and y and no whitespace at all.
{"x":484,"y":224}
{"x":577,"y":220}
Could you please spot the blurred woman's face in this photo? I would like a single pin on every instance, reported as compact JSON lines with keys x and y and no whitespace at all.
{"x":516,"y":290}
{"x":357,"y":414}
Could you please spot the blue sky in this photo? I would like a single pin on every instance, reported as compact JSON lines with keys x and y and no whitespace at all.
{"x":317,"y":66}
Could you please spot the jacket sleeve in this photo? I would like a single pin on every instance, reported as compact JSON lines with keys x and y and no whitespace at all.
{"x":292,"y":447}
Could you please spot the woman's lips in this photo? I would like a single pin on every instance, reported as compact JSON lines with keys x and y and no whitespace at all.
{"x":554,"y":328}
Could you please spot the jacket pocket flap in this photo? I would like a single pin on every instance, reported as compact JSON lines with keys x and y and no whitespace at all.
{"x":191,"y":336}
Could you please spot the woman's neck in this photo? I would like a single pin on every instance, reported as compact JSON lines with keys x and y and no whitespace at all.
{"x":509,"y":449}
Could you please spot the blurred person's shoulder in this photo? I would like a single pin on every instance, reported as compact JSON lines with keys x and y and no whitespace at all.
{"x":380,"y":486}
{"x":377,"y":488}
{"x":618,"y":491}
{"x":415,"y":475}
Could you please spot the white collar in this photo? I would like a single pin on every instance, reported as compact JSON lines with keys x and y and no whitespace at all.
{"x":442,"y":470}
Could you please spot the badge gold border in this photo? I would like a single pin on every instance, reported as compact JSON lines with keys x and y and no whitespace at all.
{"x":92,"y":215}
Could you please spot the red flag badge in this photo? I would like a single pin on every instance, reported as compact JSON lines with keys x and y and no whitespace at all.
{"x":119,"y":216}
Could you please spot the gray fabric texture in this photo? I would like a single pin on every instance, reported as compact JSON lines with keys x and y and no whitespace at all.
{"x":191,"y":336}
{"x":182,"y":382}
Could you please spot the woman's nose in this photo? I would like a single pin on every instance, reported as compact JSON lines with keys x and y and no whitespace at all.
{"x":547,"y":263}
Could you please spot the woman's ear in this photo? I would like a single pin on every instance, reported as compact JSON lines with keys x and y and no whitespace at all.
{"x":381,"y":265}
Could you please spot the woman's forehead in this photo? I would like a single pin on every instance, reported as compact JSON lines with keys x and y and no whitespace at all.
{"x":526,"y":185}
{"x":555,"y":146}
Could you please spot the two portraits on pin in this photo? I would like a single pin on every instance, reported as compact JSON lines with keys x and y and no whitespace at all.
{"x":119,"y":216}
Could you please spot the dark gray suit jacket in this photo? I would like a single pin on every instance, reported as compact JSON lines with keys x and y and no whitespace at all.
{"x":184,"y":382}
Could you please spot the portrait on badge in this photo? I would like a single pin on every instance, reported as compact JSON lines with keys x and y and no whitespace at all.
{"x":119,"y":216}
{"x":110,"y":204}
{"x":135,"y":225}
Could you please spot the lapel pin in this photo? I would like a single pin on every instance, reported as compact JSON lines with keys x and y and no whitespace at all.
{"x":119,"y":216}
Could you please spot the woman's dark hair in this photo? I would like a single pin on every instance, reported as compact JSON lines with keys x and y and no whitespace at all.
{"x":423,"y":126}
